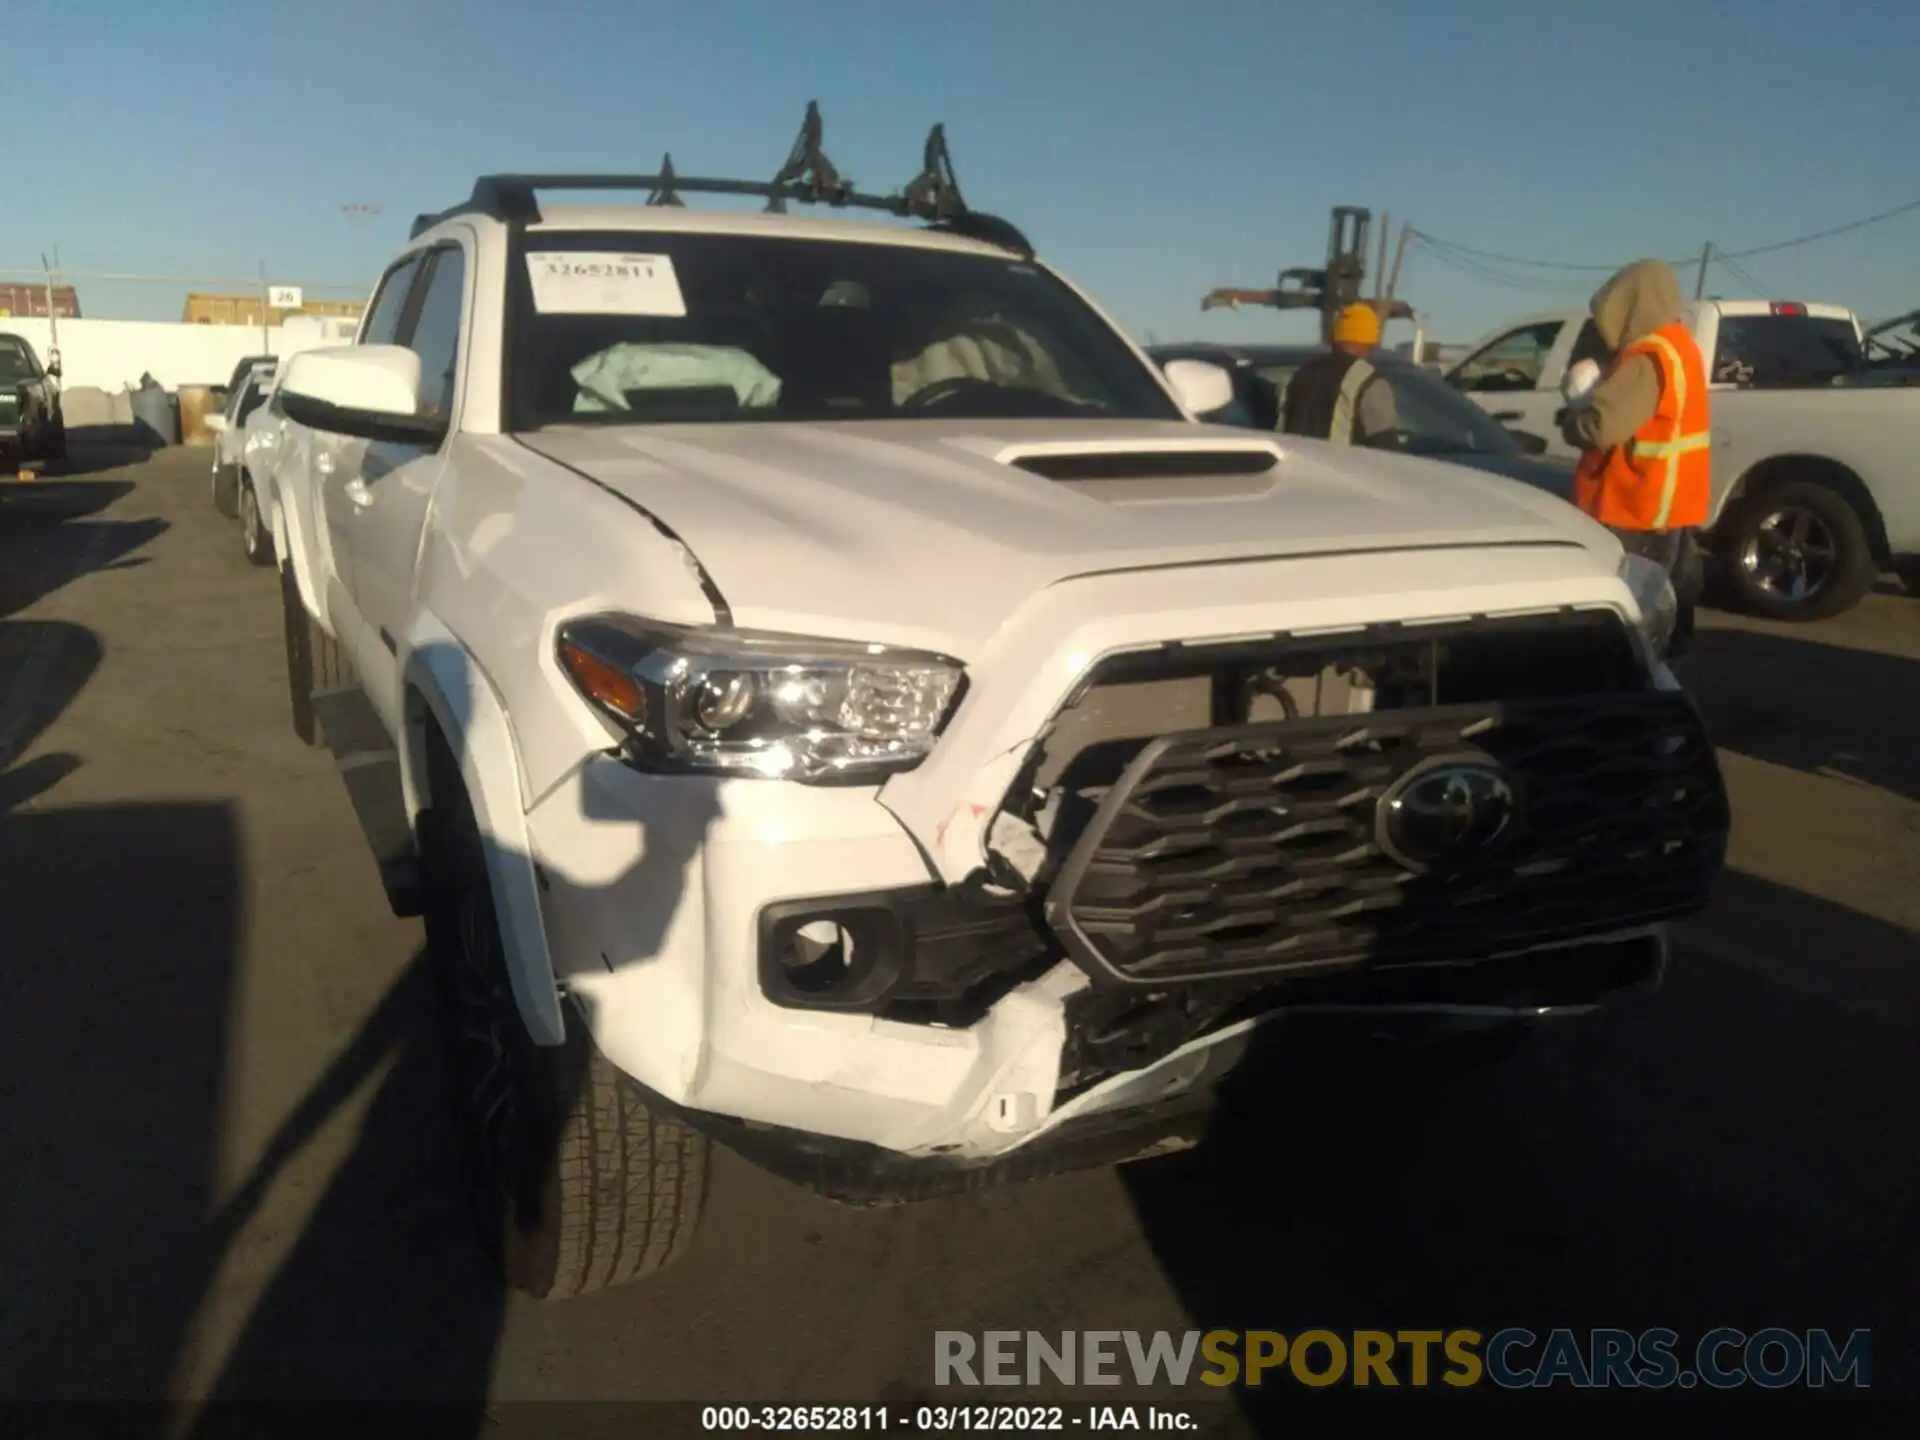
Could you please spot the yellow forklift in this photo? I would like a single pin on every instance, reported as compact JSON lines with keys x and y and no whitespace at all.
{"x":1335,"y":285}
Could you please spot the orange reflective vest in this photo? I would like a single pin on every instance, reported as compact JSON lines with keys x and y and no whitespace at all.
{"x":1658,"y":479}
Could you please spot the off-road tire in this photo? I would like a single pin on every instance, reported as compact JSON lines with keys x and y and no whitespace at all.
{"x":226,"y":491}
{"x":1853,"y":572}
{"x":591,"y":1188}
{"x":255,"y":541}
{"x":314,"y":660}
{"x":57,"y":440}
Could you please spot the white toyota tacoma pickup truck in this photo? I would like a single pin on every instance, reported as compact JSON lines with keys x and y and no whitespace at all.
{"x":1814,"y":487}
{"x":844,"y":707}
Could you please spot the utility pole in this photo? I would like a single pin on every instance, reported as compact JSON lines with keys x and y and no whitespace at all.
{"x":266,"y":340}
{"x":1399,"y":255}
{"x":1706,"y":259}
{"x":53,"y":320}
{"x":1380,"y":267}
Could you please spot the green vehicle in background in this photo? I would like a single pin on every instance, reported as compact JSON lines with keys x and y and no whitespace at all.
{"x":32,"y":425}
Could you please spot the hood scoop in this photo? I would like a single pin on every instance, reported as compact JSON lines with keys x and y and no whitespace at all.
{"x":1156,"y":464}
{"x":1180,"y":473}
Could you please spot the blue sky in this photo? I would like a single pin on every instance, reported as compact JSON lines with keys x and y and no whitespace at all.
{"x":1152,"y":150}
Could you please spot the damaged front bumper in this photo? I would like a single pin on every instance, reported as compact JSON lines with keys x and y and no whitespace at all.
{"x":981,"y":1008}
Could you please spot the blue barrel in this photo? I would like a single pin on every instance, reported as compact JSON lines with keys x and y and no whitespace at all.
{"x":156,"y":416}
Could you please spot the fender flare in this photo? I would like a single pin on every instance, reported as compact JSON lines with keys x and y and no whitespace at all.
{"x":1835,"y":475}
{"x":442,"y":681}
{"x":285,"y":527}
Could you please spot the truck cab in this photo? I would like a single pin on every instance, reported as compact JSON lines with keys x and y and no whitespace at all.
{"x":1514,"y":372}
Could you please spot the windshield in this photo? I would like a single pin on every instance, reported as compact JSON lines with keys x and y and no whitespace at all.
{"x":1433,"y":418}
{"x":706,"y":327}
{"x":16,"y":363}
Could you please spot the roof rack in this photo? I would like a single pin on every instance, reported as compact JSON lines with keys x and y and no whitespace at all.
{"x":807,"y":178}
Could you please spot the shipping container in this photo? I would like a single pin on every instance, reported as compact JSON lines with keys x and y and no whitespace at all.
{"x":28,"y":298}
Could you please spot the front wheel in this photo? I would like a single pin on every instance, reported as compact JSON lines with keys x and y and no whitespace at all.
{"x":255,"y":542}
{"x":226,"y":490}
{"x":575,"y":1184}
{"x":1796,"y":552}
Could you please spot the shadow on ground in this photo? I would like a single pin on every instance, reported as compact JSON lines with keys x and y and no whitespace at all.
{"x":122,"y":931}
{"x":124,"y":928}
{"x":50,"y":538}
{"x":384,"y":1295}
{"x":120,"y":925}
{"x":92,"y":448}
{"x":1727,"y":1152}
{"x":1812,"y":706}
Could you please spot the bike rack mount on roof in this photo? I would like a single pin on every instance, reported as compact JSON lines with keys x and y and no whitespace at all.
{"x":807,"y":178}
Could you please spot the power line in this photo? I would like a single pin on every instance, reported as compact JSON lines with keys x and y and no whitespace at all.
{"x":1847,"y":228}
{"x":1862,"y":223}
{"x":1434,"y":243}
{"x":1739,"y":272}
{"x":251,"y":281}
{"x":1488,"y":274}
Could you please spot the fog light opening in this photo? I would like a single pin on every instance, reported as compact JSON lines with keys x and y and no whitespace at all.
{"x":819,"y":957}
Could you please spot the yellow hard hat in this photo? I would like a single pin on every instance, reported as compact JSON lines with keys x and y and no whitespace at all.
{"x":1356,"y":325}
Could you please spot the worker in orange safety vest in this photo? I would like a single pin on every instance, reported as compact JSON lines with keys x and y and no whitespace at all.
{"x":1643,"y":431}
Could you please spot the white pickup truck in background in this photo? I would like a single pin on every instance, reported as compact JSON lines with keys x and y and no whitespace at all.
{"x":1814,"y":487}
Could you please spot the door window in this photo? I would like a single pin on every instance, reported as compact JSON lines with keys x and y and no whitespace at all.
{"x":383,"y":320}
{"x":251,"y":395}
{"x":1511,"y":363}
{"x":435,"y":336}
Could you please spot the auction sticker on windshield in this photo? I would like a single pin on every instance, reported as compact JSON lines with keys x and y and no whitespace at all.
{"x":594,"y":282}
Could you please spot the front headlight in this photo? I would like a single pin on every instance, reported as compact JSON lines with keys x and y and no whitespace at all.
{"x":1652,"y":591}
{"x":773,"y":706}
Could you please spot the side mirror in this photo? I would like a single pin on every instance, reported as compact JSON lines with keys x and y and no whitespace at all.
{"x":371,"y":392}
{"x":216,"y":424}
{"x":1200,"y":387}
{"x":1529,"y":444}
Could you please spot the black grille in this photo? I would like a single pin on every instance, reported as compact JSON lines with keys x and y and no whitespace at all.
{"x":1252,"y":849}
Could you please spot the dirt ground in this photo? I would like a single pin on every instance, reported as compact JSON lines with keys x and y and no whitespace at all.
{"x":224,"y":1163}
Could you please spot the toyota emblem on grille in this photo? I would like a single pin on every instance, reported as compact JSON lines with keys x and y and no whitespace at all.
{"x":1448,"y":811}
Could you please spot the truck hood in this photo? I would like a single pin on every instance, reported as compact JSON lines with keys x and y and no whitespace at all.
{"x":931,"y":533}
{"x":1551,"y":474}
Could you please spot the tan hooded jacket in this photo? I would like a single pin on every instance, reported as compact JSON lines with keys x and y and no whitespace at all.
{"x":1637,"y":301}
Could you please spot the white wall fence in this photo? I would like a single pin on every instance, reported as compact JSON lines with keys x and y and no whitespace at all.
{"x":113,"y":354}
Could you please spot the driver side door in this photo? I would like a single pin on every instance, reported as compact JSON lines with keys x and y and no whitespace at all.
{"x":335,"y":471}
{"x":1509,"y":379}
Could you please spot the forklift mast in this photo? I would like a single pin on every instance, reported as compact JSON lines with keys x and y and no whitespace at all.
{"x":1328,"y":289}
